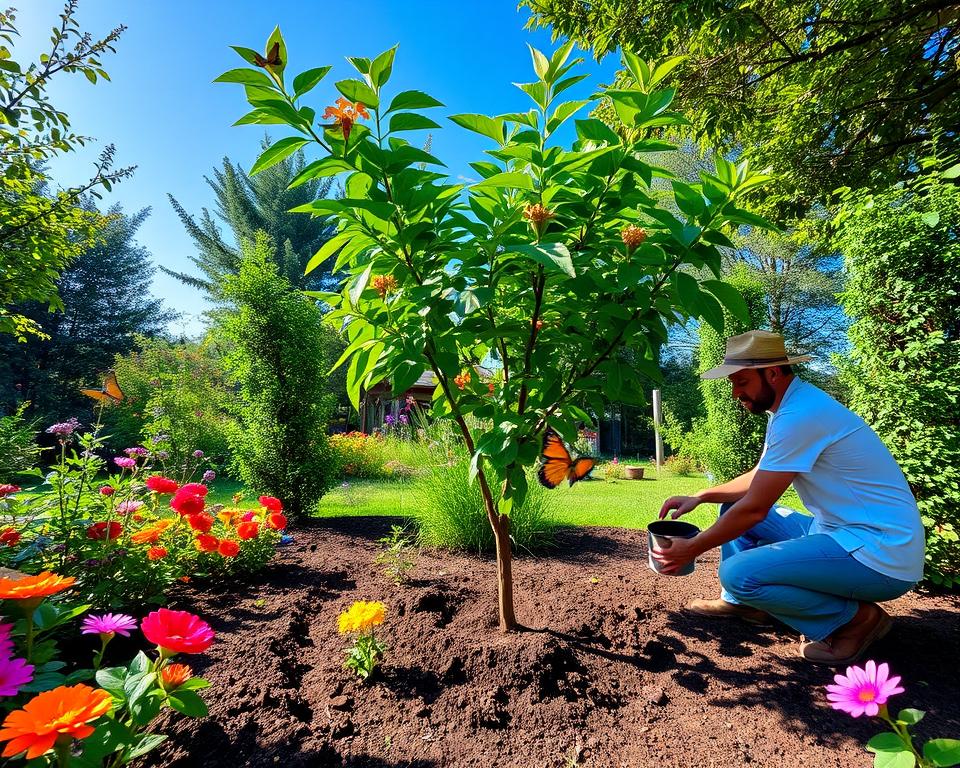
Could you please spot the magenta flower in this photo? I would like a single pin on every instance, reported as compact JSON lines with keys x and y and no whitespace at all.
{"x":109,"y":624}
{"x":863,"y":690}
{"x":14,"y":673}
{"x":129,"y":506}
{"x":6,"y":641}
{"x":138,"y":451}
{"x":64,"y":429}
{"x":198,"y":454}
{"x":125,"y":462}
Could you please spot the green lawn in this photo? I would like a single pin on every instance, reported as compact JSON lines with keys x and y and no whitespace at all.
{"x":619,"y":503}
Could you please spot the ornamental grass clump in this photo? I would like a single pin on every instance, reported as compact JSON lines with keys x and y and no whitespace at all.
{"x":367,"y":651}
{"x":865,"y":691}
{"x":562,"y":261}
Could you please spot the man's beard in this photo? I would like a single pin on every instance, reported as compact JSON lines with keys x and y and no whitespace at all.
{"x":763,"y":402}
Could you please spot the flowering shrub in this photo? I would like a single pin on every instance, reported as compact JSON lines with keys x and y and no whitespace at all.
{"x":865,"y":691}
{"x":127,"y":538}
{"x":613,"y":470}
{"x":367,"y":651}
{"x":360,"y":455}
{"x":69,"y":722}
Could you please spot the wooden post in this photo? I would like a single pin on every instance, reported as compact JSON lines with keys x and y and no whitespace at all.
{"x":658,"y":441}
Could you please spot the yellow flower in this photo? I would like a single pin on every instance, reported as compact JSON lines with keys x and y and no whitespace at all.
{"x":361,"y":617}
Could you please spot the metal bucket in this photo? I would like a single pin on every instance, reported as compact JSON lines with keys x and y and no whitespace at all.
{"x":659,"y":535}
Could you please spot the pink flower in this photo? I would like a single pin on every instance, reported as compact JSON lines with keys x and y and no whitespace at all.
{"x":107,"y":490}
{"x":6,"y":642}
{"x":198,"y":488}
{"x":124,"y":462}
{"x":7,"y":488}
{"x":177,"y":631}
{"x":14,"y":673}
{"x":131,"y":505}
{"x":160,"y":484}
{"x":863,"y":690}
{"x":247,"y":517}
{"x":108,"y":624}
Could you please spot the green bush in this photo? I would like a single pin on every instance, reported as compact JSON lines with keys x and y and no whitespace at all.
{"x":278,"y":356}
{"x":450,"y":512}
{"x":730,"y":440}
{"x":18,"y":447}
{"x":902,"y":251}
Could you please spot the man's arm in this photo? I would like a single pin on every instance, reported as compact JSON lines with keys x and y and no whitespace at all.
{"x":734,"y":490}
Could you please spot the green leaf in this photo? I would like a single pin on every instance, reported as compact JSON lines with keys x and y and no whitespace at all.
{"x":942,"y":752}
{"x":567,"y":83}
{"x":247,"y":54}
{"x":688,"y":291}
{"x":665,"y":68}
{"x":541,"y":64}
{"x":931,"y":219}
{"x":277,"y":37}
{"x":247,"y":77}
{"x":327,"y":166}
{"x":488,"y":126}
{"x":597,"y":131}
{"x":563,"y":112}
{"x":188,"y":703}
{"x":327,"y":250}
{"x":730,"y":297}
{"x":554,"y":256}
{"x":360,"y":63}
{"x":277,"y":152}
{"x":412,"y":100}
{"x":359,"y":91}
{"x":911,"y":716}
{"x":536,"y":91}
{"x":359,"y":285}
{"x":508,"y":179}
{"x":305,"y":81}
{"x":411,"y":121}
{"x":382,"y":67}
{"x":952,"y":172}
{"x":739,"y":216}
{"x":886,"y":742}
{"x":144,"y":744}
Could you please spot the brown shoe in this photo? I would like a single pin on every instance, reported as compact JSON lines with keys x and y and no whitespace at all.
{"x":851,"y":641}
{"x":721,"y":609}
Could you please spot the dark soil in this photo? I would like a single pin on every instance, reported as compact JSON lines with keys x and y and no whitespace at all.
{"x":610,"y":672}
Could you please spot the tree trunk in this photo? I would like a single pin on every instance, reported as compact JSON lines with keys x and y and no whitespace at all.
{"x":501,"y":534}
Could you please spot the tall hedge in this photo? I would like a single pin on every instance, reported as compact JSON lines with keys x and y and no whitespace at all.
{"x":902,"y":251}
{"x":731,"y":438}
{"x":278,"y":355}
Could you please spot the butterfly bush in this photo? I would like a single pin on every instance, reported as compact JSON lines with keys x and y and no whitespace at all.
{"x":125,"y":531}
{"x":866,"y":691}
{"x":561,"y":263}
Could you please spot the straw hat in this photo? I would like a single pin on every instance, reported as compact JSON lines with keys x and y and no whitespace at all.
{"x":753,"y":349}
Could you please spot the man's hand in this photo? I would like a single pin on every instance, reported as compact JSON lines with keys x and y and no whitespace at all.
{"x":678,"y":554}
{"x":681,"y":505}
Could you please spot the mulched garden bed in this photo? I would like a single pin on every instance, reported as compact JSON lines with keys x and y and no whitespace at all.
{"x":610,"y":673}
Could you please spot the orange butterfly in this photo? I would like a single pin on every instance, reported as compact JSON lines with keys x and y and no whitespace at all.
{"x":111,"y":392}
{"x":557,"y":464}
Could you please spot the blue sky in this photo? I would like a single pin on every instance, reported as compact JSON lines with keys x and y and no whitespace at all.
{"x":165,"y":115}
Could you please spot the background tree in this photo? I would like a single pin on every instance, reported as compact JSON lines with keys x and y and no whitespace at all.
{"x":846,"y":93}
{"x":107,"y":302}
{"x":41,"y":233}
{"x":903,"y":252}
{"x":247,"y":205}
{"x":278,"y":354}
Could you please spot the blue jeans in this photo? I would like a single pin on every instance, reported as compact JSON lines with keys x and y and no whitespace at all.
{"x":807,"y":581}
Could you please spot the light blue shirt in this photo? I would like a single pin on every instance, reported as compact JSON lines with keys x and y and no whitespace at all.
{"x":847,"y":479}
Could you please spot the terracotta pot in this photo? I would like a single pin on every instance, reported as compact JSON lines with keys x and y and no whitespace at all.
{"x":634,"y":473}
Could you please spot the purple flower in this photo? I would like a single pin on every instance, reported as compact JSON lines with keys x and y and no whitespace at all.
{"x":64,"y":429}
{"x":403,"y":418}
{"x":109,"y":624}
{"x":163,"y":455}
{"x":138,"y":451}
{"x":124,"y":462}
{"x":209,"y":476}
{"x":6,"y":642}
{"x":388,"y":420}
{"x":14,"y":673}
{"x":863,"y":690}
{"x":159,"y":438}
{"x":128,"y":507}
{"x":198,"y":454}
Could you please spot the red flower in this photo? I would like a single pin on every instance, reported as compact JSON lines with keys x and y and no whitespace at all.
{"x":156,"y":553}
{"x":6,"y":489}
{"x":245,"y":531}
{"x":206,"y":543}
{"x":462,"y":380}
{"x":272,"y":503}
{"x":277,"y":521}
{"x":107,"y":490}
{"x":99,"y":531}
{"x":161,"y":484}
{"x":187,"y":503}
{"x":198,"y":488}
{"x":10,"y":537}
{"x":228,"y":548}
{"x":177,"y":631}
{"x":202,"y":523}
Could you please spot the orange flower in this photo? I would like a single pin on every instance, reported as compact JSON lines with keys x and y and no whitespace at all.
{"x":152,"y":534}
{"x":64,"y":711}
{"x":39,"y":586}
{"x":384,"y":284}
{"x":490,"y":388}
{"x":175,"y":675}
{"x":537,"y":215}
{"x":462,"y":380}
{"x":345,"y":114}
{"x":633,"y":236}
{"x":156,"y":553}
{"x":277,"y":521}
{"x":206,"y":543}
{"x":538,"y":325}
{"x":248,"y":530}
{"x":228,"y":548}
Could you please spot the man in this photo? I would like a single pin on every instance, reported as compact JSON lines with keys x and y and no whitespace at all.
{"x":822,"y":575}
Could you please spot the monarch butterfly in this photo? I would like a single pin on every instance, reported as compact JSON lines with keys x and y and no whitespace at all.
{"x":557,"y":464}
{"x":111,"y":392}
{"x":273,"y":58}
